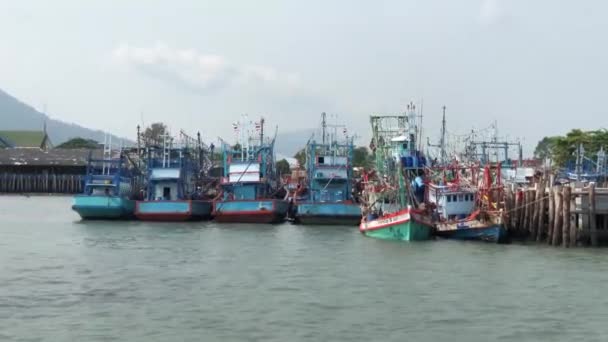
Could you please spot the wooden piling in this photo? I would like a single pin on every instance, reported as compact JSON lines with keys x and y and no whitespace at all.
{"x":558,"y":217}
{"x":526,"y":204}
{"x":518,"y":211}
{"x":542,"y":211}
{"x":551,"y":217}
{"x":566,"y":241}
{"x":534,"y":211}
{"x":592,"y":217}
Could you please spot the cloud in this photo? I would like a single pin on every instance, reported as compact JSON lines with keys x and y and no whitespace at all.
{"x":197,"y":71}
{"x":491,"y":12}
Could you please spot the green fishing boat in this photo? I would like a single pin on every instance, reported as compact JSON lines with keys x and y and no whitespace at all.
{"x":394,"y":190}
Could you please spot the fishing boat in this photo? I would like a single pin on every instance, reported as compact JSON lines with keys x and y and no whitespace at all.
{"x":107,"y":188}
{"x":394,"y":191}
{"x":467,"y":212}
{"x":250,"y":187}
{"x":329,"y":185}
{"x":489,"y":228}
{"x":584,"y":169}
{"x":172,"y":173}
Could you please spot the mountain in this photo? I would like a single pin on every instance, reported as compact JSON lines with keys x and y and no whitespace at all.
{"x":16,"y":115}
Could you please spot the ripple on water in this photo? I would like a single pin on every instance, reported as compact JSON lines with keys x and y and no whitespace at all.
{"x":67,"y":280}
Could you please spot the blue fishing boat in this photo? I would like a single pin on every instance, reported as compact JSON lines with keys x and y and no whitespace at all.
{"x":250,"y":188}
{"x":584,"y":169}
{"x":329,"y":185}
{"x":468,"y":213}
{"x":107,"y":188}
{"x":489,"y":229}
{"x":171,"y":193}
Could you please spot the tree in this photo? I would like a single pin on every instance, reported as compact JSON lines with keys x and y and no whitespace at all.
{"x":153,"y":133}
{"x":79,"y":143}
{"x":545,"y":148}
{"x":561,"y":148}
{"x":361,"y":157}
{"x":301,"y":158}
{"x":283,"y":167}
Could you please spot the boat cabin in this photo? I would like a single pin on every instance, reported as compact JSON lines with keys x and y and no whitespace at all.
{"x":452,"y":203}
{"x":107,"y":177}
{"x":164,"y":184}
{"x":329,"y":172}
{"x":246,"y":174}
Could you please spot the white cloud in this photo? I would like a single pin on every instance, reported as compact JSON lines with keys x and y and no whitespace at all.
{"x":198,"y":71}
{"x":491,"y":11}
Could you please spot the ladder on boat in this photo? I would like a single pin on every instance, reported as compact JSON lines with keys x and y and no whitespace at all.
{"x":107,"y":154}
{"x":167,"y":150}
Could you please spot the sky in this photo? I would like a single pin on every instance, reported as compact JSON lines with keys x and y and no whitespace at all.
{"x":537,"y":68}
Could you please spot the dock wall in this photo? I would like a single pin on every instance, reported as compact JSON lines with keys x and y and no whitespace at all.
{"x":564,"y":216}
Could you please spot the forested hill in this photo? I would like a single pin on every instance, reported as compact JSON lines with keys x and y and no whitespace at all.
{"x":16,"y":115}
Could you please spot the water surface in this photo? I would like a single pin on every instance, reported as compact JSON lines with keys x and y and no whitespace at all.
{"x":66,"y":280}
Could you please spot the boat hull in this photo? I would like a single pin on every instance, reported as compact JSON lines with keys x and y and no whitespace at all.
{"x":328,"y":214}
{"x":103,"y":207}
{"x":403,"y":225}
{"x":186,"y":210}
{"x":495,"y":233}
{"x":250,"y":211}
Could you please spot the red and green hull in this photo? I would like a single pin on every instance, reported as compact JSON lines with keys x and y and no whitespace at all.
{"x":404,"y":225}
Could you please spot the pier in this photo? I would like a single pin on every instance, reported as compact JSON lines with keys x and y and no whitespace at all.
{"x":559,"y":215}
{"x":12,"y":183}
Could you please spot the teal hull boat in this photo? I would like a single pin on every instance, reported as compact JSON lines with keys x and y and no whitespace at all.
{"x":328,"y":214}
{"x":91,"y":207}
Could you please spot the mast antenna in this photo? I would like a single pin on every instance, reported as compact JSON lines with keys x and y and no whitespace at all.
{"x":323,"y":125}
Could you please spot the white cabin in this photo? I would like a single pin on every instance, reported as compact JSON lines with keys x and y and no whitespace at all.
{"x":452,"y":203}
{"x":165,"y":183}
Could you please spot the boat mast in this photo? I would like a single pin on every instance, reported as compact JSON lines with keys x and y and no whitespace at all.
{"x":138,"y":148}
{"x":323,"y":125}
{"x":262,"y":131}
{"x":442,"y":142}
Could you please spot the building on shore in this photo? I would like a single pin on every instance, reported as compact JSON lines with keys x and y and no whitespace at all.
{"x":35,"y":170}
{"x":25,"y":140}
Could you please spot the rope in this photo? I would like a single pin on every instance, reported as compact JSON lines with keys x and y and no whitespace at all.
{"x":527,"y":204}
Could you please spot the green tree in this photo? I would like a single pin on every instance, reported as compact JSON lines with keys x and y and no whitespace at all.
{"x":561,"y":148}
{"x":361,"y":157}
{"x":301,"y":158}
{"x":283,"y":167}
{"x":153,"y":133}
{"x":545,"y":148}
{"x":79,"y":143}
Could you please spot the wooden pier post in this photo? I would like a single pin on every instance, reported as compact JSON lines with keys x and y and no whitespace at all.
{"x":592,"y":217}
{"x":526,"y":225}
{"x":517,"y":212}
{"x":566,"y":241}
{"x":551,"y":223}
{"x":557,"y":222}
{"x":534,"y":211}
{"x":542,"y":212}
{"x":507,"y":216}
{"x":569,"y":203}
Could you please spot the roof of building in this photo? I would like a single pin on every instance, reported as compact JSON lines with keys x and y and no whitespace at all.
{"x":34,"y":139}
{"x":52,"y":157}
